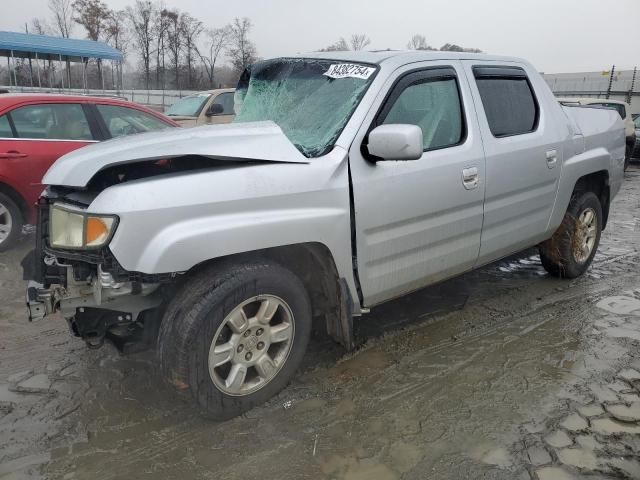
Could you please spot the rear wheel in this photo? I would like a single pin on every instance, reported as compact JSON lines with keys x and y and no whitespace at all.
{"x":570,"y":251}
{"x":234,"y":337}
{"x":10,"y":222}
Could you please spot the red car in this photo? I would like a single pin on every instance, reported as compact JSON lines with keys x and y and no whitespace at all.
{"x":35,"y":130}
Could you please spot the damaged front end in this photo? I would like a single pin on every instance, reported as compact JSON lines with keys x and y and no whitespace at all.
{"x":97,"y":297}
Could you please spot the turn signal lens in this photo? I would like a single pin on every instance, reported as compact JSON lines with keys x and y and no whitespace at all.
{"x":97,"y":231}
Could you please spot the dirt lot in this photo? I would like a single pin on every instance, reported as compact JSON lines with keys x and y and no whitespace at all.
{"x":504,"y":373}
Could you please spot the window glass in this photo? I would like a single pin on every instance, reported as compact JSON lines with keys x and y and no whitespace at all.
{"x":637,"y":122}
{"x":226,"y":100}
{"x":188,"y":106}
{"x":56,"y":121}
{"x":509,"y":104}
{"x":310,"y":99}
{"x":127,"y":121}
{"x":435,"y":107}
{"x":5,"y":127}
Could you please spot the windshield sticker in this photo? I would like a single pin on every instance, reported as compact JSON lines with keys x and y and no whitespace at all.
{"x":349,"y":70}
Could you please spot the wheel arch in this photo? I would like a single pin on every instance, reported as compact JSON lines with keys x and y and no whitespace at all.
{"x":314,"y":265}
{"x":17,"y":198}
{"x":598,"y":183}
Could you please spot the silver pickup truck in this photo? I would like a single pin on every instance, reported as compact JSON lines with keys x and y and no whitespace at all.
{"x":346,"y":180}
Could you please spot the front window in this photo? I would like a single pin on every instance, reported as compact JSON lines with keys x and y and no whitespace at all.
{"x":55,"y":121}
{"x":311,"y":100}
{"x":636,"y":121}
{"x":190,"y":106}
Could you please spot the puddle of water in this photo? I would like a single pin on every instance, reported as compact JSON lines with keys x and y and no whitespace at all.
{"x":620,"y":305}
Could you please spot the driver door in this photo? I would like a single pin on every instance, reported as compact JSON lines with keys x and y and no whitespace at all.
{"x":419,"y":221}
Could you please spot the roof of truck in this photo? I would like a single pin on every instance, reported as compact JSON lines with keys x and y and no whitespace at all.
{"x":404,"y":56}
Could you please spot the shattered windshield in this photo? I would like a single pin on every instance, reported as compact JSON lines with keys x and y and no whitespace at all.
{"x":188,"y":106}
{"x":310,"y":100}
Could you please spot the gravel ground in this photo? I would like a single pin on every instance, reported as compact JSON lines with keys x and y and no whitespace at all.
{"x":504,"y":373}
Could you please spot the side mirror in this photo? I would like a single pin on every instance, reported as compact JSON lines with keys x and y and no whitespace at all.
{"x":396,"y":142}
{"x":215,"y":109}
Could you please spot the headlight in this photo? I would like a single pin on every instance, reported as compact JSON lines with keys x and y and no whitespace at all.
{"x":76,"y":229}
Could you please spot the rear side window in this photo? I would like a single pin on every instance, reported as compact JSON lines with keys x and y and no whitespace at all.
{"x":430,"y":100}
{"x":5,"y":127}
{"x":56,"y":121}
{"x":122,"y":121}
{"x":508,"y":100}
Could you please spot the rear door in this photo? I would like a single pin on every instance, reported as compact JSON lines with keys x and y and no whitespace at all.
{"x":419,"y":221}
{"x":41,"y":133}
{"x":523,"y":147}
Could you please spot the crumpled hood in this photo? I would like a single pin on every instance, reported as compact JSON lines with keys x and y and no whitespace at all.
{"x":237,"y":142}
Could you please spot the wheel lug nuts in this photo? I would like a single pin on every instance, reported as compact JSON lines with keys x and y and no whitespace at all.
{"x":240,"y":348}
{"x":248,"y":356}
{"x":259,"y":332}
{"x":260,"y":345}
{"x":247,"y":333}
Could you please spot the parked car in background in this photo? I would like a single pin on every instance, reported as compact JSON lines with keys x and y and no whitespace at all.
{"x":35,"y":130}
{"x":210,"y":107}
{"x":623,"y":109}
{"x":347,"y":179}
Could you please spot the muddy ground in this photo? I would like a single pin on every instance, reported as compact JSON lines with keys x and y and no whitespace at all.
{"x":504,"y":373}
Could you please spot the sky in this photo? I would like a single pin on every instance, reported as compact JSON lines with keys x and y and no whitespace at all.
{"x":555,"y":35}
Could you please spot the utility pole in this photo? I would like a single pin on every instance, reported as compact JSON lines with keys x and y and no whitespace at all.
{"x":633,"y":84}
{"x":26,"y":30}
{"x":613,"y":71}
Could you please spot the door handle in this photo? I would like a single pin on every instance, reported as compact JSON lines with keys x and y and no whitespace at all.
{"x":470,"y":178}
{"x":552,"y":158}
{"x":12,"y":155}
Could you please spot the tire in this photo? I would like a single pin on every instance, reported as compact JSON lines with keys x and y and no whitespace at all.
{"x":627,"y":156}
{"x":206,"y":308}
{"x":562,"y":255}
{"x":10,"y":222}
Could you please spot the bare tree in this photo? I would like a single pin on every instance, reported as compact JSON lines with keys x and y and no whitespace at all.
{"x":190,"y":29}
{"x":419,"y":42}
{"x":116,"y":31}
{"x":340,"y":46}
{"x":39,"y":26}
{"x":63,"y":13}
{"x":359,"y":41}
{"x":242,"y":51}
{"x":217,"y":41}
{"x":92,"y":15}
{"x":174,"y":41}
{"x":160,"y":27}
{"x":141,"y":17}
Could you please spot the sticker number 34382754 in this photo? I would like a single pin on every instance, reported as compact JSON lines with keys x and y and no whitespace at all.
{"x":349,"y":70}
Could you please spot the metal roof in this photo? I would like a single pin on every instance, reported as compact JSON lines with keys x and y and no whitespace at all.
{"x":73,"y":49}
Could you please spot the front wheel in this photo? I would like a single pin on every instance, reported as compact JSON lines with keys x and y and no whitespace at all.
{"x":570,"y":251}
{"x":234,"y":337}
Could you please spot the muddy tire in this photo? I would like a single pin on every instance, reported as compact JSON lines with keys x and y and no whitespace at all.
{"x":570,"y":251}
{"x":10,"y":222}
{"x":234,"y":336}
